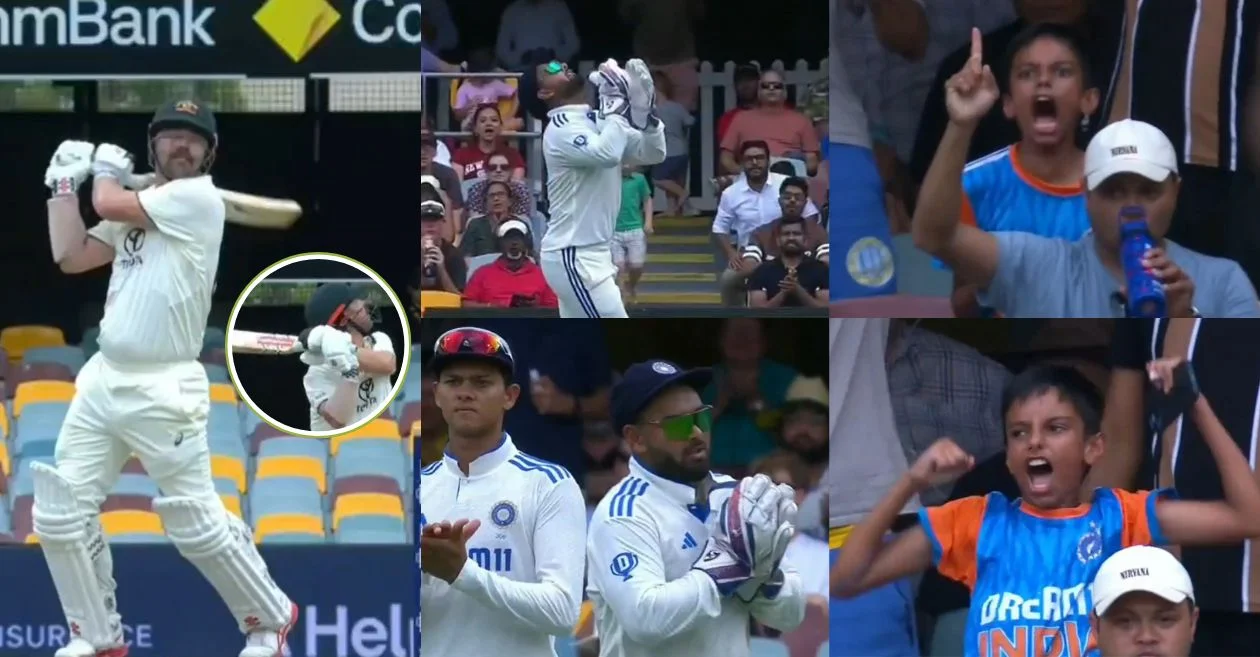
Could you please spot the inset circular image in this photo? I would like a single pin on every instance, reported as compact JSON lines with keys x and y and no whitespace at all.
{"x":318,"y":345}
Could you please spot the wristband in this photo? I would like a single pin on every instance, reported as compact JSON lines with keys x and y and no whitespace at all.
{"x":65,"y":187}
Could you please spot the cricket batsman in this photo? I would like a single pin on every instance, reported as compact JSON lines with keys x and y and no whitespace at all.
{"x":350,"y":366}
{"x":584,"y":151}
{"x":144,"y":392}
{"x":680,"y":557}
{"x":501,"y":531}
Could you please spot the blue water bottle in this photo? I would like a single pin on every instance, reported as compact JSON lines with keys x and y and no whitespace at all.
{"x":1145,"y":291}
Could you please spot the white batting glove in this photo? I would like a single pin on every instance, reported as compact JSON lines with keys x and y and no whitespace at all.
{"x":70,"y":165}
{"x":339,"y":352}
{"x":614,"y":90}
{"x":315,"y":338}
{"x":112,"y":162}
{"x":642,"y":95}
{"x":138,"y":181}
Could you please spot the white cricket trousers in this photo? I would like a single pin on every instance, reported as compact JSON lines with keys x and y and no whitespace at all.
{"x":585,"y":281}
{"x":157,"y":412}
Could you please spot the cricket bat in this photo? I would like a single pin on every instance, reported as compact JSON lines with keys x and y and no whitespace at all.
{"x":243,"y":209}
{"x":267,"y":344}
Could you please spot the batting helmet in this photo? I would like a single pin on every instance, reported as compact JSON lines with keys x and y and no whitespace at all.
{"x":469,"y":343}
{"x":186,"y":115}
{"x":329,"y":302}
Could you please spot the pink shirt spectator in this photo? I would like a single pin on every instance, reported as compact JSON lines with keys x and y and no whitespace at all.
{"x":483,"y":92}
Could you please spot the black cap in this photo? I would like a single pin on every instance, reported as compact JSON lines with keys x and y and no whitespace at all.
{"x":643,"y":382}
{"x":187,"y":115}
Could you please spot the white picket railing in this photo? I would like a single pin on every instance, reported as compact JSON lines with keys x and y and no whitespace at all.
{"x":797,"y":78}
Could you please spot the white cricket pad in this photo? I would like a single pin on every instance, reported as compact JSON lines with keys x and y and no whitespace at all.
{"x":71,"y":546}
{"x":222,"y":548}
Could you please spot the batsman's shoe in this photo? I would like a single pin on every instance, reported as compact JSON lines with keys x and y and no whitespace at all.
{"x":642,"y":93}
{"x":720,"y":563}
{"x":269,"y":643}
{"x":80,"y":647}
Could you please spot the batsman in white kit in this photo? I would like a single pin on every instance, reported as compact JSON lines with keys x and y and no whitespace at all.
{"x":679,"y":557}
{"x":349,"y":364}
{"x":144,"y":392}
{"x":501,"y":531}
{"x":584,"y":151}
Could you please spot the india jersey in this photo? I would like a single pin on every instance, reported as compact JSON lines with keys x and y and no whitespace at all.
{"x":1029,"y":570}
{"x":584,"y":157}
{"x":522,"y":584}
{"x":998,"y":195}
{"x":322,"y":380}
{"x":645,"y":535}
{"x":163,"y":274}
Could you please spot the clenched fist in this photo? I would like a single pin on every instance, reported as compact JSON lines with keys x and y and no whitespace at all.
{"x":69,"y":167}
{"x":942,"y":463}
{"x":112,"y":162}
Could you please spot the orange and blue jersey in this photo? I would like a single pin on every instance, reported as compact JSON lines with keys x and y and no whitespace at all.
{"x":1029,"y":569}
{"x":999,"y":195}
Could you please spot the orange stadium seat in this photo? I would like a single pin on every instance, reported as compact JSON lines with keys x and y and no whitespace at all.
{"x":288,"y":523}
{"x":222,"y":393}
{"x":436,"y":299}
{"x":6,"y":461}
{"x":293,"y":466}
{"x":229,"y":467}
{"x":131,"y":522}
{"x":34,"y":392}
{"x":233,"y":504}
{"x":17,"y":339}
{"x":366,"y":504}
{"x":375,"y":429}
{"x":31,"y":539}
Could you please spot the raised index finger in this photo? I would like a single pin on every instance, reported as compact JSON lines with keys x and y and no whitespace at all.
{"x":977,"y":45}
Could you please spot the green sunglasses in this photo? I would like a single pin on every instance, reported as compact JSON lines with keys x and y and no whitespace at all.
{"x":678,"y":428}
{"x":554,"y":68}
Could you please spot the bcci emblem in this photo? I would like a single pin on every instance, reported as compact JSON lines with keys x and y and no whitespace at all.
{"x":1090,"y":545}
{"x":503,"y":514}
{"x":870,"y":262}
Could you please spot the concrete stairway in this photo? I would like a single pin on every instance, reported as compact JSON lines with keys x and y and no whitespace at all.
{"x":682,"y":264}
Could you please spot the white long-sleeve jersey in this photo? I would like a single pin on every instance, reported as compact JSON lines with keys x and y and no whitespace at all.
{"x":584,"y":157}
{"x":645,"y":535}
{"x":522,"y":584}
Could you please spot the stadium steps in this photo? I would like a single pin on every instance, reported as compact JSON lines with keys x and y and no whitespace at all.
{"x":682,"y":266}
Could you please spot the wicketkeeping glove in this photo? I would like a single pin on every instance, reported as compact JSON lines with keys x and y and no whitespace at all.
{"x":642,"y":95}
{"x":112,"y":161}
{"x":614,"y":90}
{"x":69,"y":166}
{"x":752,"y":516}
{"x":720,"y":563}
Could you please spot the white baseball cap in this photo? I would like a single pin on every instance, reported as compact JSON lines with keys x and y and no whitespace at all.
{"x":1129,"y":146}
{"x":1141,"y":568}
{"x":513,"y":224}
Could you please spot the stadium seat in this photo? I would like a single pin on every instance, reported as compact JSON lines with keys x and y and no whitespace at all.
{"x":285,"y":496}
{"x":763,"y":647}
{"x":222,"y":393}
{"x":6,"y":461}
{"x":431,"y":299}
{"x":127,"y":503}
{"x":21,"y":516}
{"x":214,"y":357}
{"x":294,"y":446}
{"x":369,"y":504}
{"x":224,"y":486}
{"x":138,"y":538}
{"x":374,"y":430}
{"x":131,"y":522}
{"x":71,"y":357}
{"x":134,"y":466}
{"x":31,"y":392}
{"x":292,"y":466}
{"x":365,"y":484}
{"x":224,"y":422}
{"x":4,"y":420}
{"x":507,"y":107}
{"x":371,"y":457}
{"x":477,"y":262}
{"x":233,"y":504}
{"x":17,"y":339}
{"x":214,"y":338}
{"x":566,"y":647}
{"x":229,"y":467}
{"x":217,"y":373}
{"x":409,"y":418}
{"x":39,"y":372}
{"x":6,"y":522}
{"x":133,"y":484}
{"x":276,"y":525}
{"x":40,"y":421}
{"x":371,"y":530}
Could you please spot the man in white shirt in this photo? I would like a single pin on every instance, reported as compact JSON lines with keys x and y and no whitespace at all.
{"x":508,"y":588}
{"x":665,"y":574}
{"x":530,"y":29}
{"x":584,"y":151}
{"x":1143,"y":604}
{"x":144,"y":392}
{"x":349,"y":366}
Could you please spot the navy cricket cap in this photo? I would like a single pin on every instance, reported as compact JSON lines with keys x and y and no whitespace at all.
{"x":643,"y":382}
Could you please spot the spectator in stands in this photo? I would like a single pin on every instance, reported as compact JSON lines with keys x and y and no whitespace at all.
{"x":473,"y":92}
{"x":487,"y":127}
{"x":764,"y":244}
{"x":663,"y":32}
{"x":786,"y":131}
{"x":512,"y":280}
{"x":634,"y":224}
{"x":448,"y":185}
{"x":751,"y":201}
{"x":746,"y":78}
{"x":499,"y":169}
{"x":794,"y":278}
{"x":441,"y":265}
{"x":747,"y":392}
{"x":803,"y":430}
{"x":481,"y":236}
{"x":671,"y":175}
{"x":438,"y":28}
{"x":534,"y":32}
{"x":442,"y":154}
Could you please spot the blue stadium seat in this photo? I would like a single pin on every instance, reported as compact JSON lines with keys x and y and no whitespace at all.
{"x":224,"y":423}
{"x":371,"y":530}
{"x":566,"y":646}
{"x":225,"y":486}
{"x":291,"y":446}
{"x":227,"y":443}
{"x":284,"y":495}
{"x":249,"y":421}
{"x":217,"y":374}
{"x":368,"y":456}
{"x":41,"y":419}
{"x":139,"y":538}
{"x":71,"y":357}
{"x":6,"y":522}
{"x":763,"y":647}
{"x":38,"y":446}
{"x":214,"y":338}
{"x":135,"y":484}
{"x":291,"y":539}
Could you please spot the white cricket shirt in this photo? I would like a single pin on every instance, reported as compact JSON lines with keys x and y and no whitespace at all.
{"x":159,"y":291}
{"x":584,"y":157}
{"x":522,"y":584}
{"x":321,"y":382}
{"x":645,"y":535}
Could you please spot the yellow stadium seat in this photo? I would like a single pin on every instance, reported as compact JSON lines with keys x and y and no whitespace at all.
{"x":233,"y":504}
{"x":288,"y":523}
{"x":6,"y":463}
{"x":222,"y":393}
{"x":31,"y":539}
{"x":4,"y":422}
{"x":366,"y":504}
{"x":378,"y":428}
{"x":507,"y":106}
{"x":293,"y":466}
{"x":436,"y":299}
{"x":34,"y":392}
{"x":17,"y":339}
{"x":228,"y":467}
{"x":131,"y":522}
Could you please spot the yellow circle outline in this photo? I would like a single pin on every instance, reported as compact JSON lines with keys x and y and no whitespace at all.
{"x":304,"y":257}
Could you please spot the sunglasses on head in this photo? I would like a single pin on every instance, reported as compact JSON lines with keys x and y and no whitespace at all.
{"x":471,"y":341}
{"x":678,"y":428}
{"x":554,"y":68}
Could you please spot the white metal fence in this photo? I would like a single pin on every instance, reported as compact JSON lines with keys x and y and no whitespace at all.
{"x":715,"y":83}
